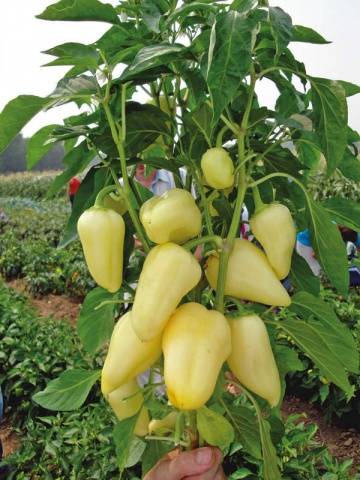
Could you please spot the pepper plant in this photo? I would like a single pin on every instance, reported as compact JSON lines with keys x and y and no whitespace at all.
{"x":173,"y":85}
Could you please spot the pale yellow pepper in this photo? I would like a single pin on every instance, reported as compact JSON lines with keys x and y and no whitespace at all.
{"x":171,"y":217}
{"x":252,"y":360}
{"x":169,"y":273}
{"x":274,"y":228}
{"x":127,"y":356}
{"x":126,"y":401}
{"x":196,"y":342}
{"x":249,"y":276}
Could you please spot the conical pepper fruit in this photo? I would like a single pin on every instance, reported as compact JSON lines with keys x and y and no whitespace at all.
{"x":196,"y":342}
{"x":218,"y":168}
{"x":274,"y":228}
{"x":252,"y":360}
{"x":169,"y":273}
{"x":163,"y":425}
{"x":249,"y":276}
{"x":126,"y":401}
{"x":127,"y":356}
{"x":101,"y":232}
{"x":171,"y":217}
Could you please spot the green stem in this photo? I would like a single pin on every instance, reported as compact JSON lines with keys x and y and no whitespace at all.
{"x":259,"y":204}
{"x":219,"y":138}
{"x":204,"y":202}
{"x":207,"y":239}
{"x":242,"y":186}
{"x":102,"y":194}
{"x":121,"y":151}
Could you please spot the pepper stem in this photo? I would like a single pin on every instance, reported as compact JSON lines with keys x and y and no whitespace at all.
{"x":102,"y":194}
{"x":259,"y":204}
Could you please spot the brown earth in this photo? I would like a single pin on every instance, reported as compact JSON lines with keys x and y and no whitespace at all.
{"x":60,"y":307}
{"x":342,"y":443}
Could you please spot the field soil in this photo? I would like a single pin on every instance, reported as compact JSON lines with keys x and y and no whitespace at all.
{"x":342,"y":442}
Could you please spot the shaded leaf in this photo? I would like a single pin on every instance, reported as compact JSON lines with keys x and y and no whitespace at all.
{"x":243,"y":6}
{"x":73,"y":54}
{"x":302,"y":277}
{"x":80,"y":10}
{"x":155,"y":450}
{"x":37,"y":146}
{"x":311,"y":341}
{"x":214,"y":428}
{"x":344,"y":211}
{"x":16,"y":114}
{"x":151,"y":15}
{"x":329,"y":246}
{"x":281,"y":28}
{"x":67,"y":392}
{"x":349,"y":166}
{"x":246,"y":429}
{"x":123,"y":434}
{"x":95,"y":324}
{"x":76,"y":160}
{"x":350,"y":88}
{"x":338,"y":337}
{"x":229,"y":58}
{"x":330,"y":119}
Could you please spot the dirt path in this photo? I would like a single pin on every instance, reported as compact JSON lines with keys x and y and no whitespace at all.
{"x":60,"y":307}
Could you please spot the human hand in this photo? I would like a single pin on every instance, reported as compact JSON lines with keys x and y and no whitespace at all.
{"x":200,"y":464}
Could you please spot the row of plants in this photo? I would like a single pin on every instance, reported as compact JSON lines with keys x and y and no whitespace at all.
{"x":33,"y":185}
{"x":30,"y":233}
{"x":79,"y":444}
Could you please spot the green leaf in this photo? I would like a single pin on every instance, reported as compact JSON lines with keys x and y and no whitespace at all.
{"x":151,"y":15}
{"x":67,"y":392}
{"x":183,"y":12}
{"x":155,"y":450}
{"x":281,"y":28}
{"x":271,"y":470}
{"x":123,"y":434}
{"x":307,"y":35}
{"x":349,"y":166}
{"x":287,"y":360}
{"x":79,"y":89}
{"x":330,"y":119}
{"x":38,"y":146}
{"x":16,"y":114}
{"x":214,"y":428}
{"x":243,"y":6}
{"x":302,"y":277}
{"x":96,"y":323}
{"x":136,"y":450}
{"x":246,"y":429}
{"x":344,"y":211}
{"x":308,"y":150}
{"x":329,"y":247}
{"x":310,"y":340}
{"x":153,"y":56}
{"x":350,"y":88}
{"x":85,"y":198}
{"x":73,"y":54}
{"x":76,"y":160}
{"x":201,"y":120}
{"x":80,"y":10}
{"x":337,"y":336}
{"x":229,"y":58}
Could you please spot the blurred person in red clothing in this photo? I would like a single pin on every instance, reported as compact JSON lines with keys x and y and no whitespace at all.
{"x":73,"y":187}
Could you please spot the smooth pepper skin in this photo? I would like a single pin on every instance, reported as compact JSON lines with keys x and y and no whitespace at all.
{"x":171,"y":217}
{"x":101,"y":232}
{"x":252,"y":360}
{"x":249,"y":276}
{"x":196,"y":342}
{"x":274,"y":228}
{"x":127,"y":356}
{"x":218,"y":168}
{"x":126,"y":401}
{"x":169,"y":273}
